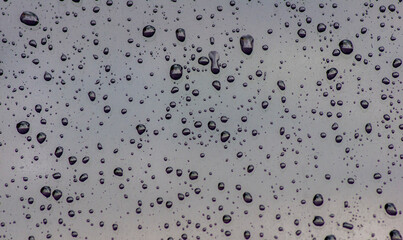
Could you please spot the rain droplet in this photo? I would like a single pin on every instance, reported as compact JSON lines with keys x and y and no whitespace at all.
{"x":193,"y":175}
{"x":57,"y":194}
{"x":148,"y":31}
{"x":331,"y":73}
{"x":318,"y":200}
{"x":29,"y":18}
{"x":203,"y":61}
{"x":247,"y":197}
{"x":41,"y":137}
{"x":346,"y":46}
{"x":226,"y":219}
{"x":140,"y":129}
{"x":321,"y":27}
{"x":318,"y":221}
{"x":225,"y":136}
{"x":46,"y":191}
{"x":247,"y":44}
{"x":281,"y":85}
{"x":180,"y":34}
{"x":23,"y":127}
{"x":59,"y":151}
{"x":397,"y":62}
{"x":395,"y":235}
{"x":175,"y":72}
{"x":118,"y":171}
{"x":47,"y":76}
{"x":390,"y":209}
{"x":301,"y":33}
{"x":214,"y":57}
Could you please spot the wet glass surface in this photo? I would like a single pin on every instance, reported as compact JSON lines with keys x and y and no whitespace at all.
{"x":201,"y":119}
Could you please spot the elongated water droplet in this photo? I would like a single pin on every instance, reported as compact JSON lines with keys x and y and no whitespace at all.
{"x":41,"y":137}
{"x":390,"y":209}
{"x":180,"y":34}
{"x":247,"y":197}
{"x":29,"y":18}
{"x":246,"y":42}
{"x":214,"y":57}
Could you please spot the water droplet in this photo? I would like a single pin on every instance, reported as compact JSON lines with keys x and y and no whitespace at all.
{"x":217,"y":85}
{"x":176,"y":72}
{"x":140,"y":129}
{"x":214,"y":57}
{"x":318,"y":221}
{"x":29,"y":18}
{"x":148,"y":31}
{"x":321,"y":27}
{"x":59,"y":151}
{"x":203,"y":61}
{"x":346,"y":46}
{"x":281,"y":85}
{"x":226,"y":219}
{"x":193,"y":175}
{"x":57,"y":194}
{"x":180,"y":34}
{"x":368,"y":128}
{"x":23,"y":127}
{"x":397,"y":62}
{"x":92,"y":95}
{"x":46,"y":191}
{"x":225,"y":136}
{"x":247,"y":44}
{"x":348,"y":225}
{"x":247,"y":197}
{"x":331,"y":73}
{"x":390,"y":209}
{"x":318,"y":200}
{"x":41,"y":137}
{"x":301,"y":33}
{"x":364,"y":104}
{"x":330,"y":237}
{"x":395,"y":235}
{"x":47,"y":76}
{"x":118,"y":171}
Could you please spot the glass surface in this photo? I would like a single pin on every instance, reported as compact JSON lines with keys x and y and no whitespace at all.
{"x":201,"y":119}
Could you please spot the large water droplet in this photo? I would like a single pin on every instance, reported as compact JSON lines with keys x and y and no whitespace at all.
{"x":318,"y":221}
{"x":331,"y":73}
{"x":318,"y":200}
{"x":247,"y":197}
{"x":214,"y":57}
{"x":395,"y":235}
{"x":390,"y":209}
{"x":225,"y":136}
{"x":46,"y":191}
{"x":247,"y":44}
{"x":29,"y":18}
{"x":41,"y":137}
{"x":57,"y":194}
{"x":346,"y":46}
{"x":180,"y":34}
{"x":148,"y":31}
{"x":23,"y":127}
{"x":176,"y":71}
